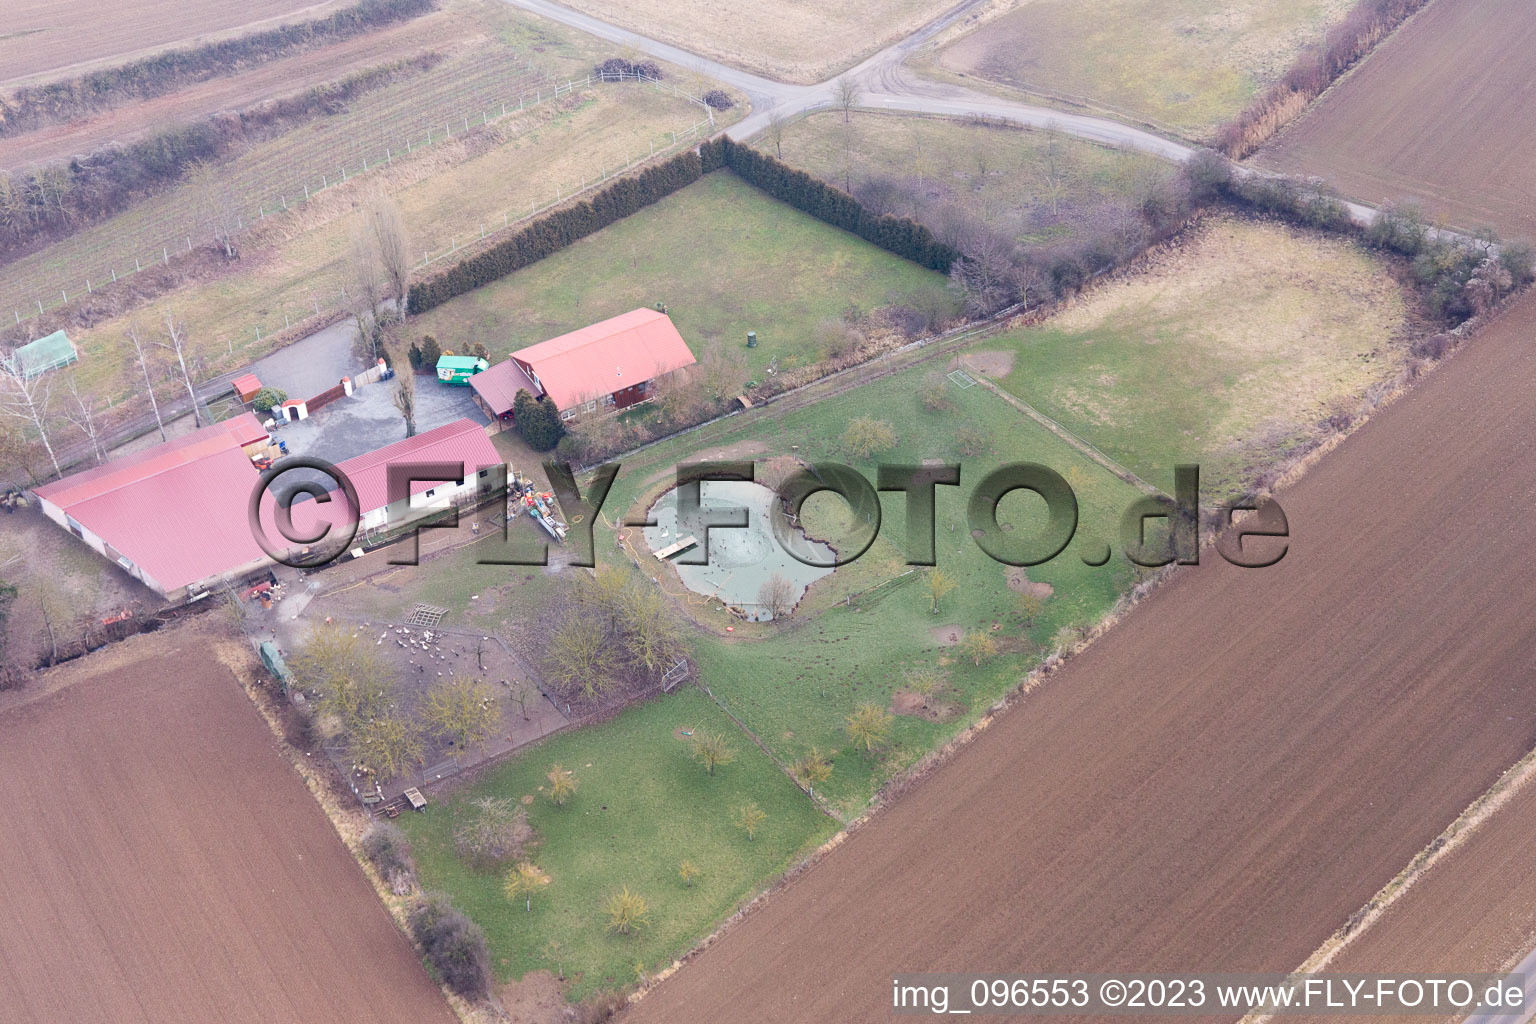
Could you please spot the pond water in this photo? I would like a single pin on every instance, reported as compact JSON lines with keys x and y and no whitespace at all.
{"x":740,"y":560}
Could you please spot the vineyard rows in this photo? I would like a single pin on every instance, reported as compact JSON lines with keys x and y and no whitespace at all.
{"x":425,"y":109}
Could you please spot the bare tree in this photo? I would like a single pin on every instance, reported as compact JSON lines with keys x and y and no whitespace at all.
{"x":26,"y":399}
{"x":369,"y":287}
{"x":141,"y":356}
{"x":83,"y":415}
{"x":405,"y":392}
{"x":217,"y":205}
{"x":846,"y":93}
{"x":177,"y":343}
{"x":774,"y":133}
{"x":777,"y":594}
{"x":391,"y":247}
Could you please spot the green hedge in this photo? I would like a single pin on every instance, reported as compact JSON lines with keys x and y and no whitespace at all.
{"x":554,"y":231}
{"x":900,"y":235}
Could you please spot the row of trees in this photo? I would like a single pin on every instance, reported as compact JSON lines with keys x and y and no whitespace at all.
{"x":556,"y":230}
{"x":32,"y":410}
{"x":1315,"y":69}
{"x":49,"y":201}
{"x":1459,"y":277}
{"x":33,"y":106}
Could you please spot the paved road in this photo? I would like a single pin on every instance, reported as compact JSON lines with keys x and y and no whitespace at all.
{"x":885,"y":83}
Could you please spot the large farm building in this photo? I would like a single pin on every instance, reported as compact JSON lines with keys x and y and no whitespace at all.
{"x":173,"y":516}
{"x":610,"y":365}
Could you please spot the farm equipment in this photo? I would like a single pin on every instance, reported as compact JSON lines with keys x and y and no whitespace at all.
{"x":522,"y":497}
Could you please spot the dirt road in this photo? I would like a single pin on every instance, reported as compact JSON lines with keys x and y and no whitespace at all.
{"x":163,"y":864}
{"x":1225,"y":777}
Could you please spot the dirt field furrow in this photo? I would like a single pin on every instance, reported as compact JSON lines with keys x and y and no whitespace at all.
{"x":1233,"y":770}
{"x":164,"y":864}
{"x":1440,"y":113}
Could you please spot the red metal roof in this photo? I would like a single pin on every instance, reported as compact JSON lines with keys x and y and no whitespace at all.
{"x":498,"y":386}
{"x":178,"y":510}
{"x":246,"y":384}
{"x":460,"y":441}
{"x":229,"y":434}
{"x":606,"y":357}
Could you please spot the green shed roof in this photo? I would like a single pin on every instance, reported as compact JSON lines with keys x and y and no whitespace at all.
{"x":44,"y":354}
{"x":461,"y":363}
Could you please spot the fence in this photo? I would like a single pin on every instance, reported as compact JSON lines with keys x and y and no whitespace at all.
{"x":90,"y":270}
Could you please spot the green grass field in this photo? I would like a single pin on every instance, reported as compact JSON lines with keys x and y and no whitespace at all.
{"x":1225,"y":351}
{"x":1040,"y":186}
{"x":1186,"y":64}
{"x":642,"y":806}
{"x":795,"y":686}
{"x":724,"y":257}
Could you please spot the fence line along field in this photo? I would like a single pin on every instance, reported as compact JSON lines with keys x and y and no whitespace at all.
{"x":40,"y":37}
{"x":164,"y":864}
{"x":1432,"y":116}
{"x":431,"y":106}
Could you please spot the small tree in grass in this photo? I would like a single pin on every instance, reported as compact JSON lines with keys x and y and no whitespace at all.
{"x":813,"y":768}
{"x":523,"y":881}
{"x":749,"y":818}
{"x":925,"y":681}
{"x":867,"y":437}
{"x":626,"y":910}
{"x":495,"y":832}
{"x":711,"y":750}
{"x":687,"y":872}
{"x":869,"y":727}
{"x":1030,"y":604}
{"x":562,"y":785}
{"x":977,"y":647}
{"x":940,"y":583}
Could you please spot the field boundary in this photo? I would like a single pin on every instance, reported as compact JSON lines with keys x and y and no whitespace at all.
{"x":1488,"y":803}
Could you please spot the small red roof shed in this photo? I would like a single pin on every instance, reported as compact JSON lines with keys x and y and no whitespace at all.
{"x":246,"y":385}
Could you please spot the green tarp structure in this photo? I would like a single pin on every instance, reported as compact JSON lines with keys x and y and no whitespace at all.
{"x":275,"y":664}
{"x":48,"y":353}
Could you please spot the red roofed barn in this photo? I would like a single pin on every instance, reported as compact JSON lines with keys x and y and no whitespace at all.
{"x":612,"y":364}
{"x":462,"y":441}
{"x":173,"y":516}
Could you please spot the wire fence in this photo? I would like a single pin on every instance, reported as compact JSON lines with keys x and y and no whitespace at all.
{"x":264,"y":192}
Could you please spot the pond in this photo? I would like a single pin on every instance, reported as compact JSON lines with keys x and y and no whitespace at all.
{"x":740,"y":560}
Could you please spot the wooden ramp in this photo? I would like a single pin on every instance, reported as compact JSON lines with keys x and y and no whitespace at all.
{"x":676,"y":549}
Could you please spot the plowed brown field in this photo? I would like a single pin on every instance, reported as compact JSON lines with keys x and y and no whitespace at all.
{"x":162,"y":863}
{"x":1227,"y":775}
{"x":40,"y":36}
{"x":1473,"y":911}
{"x":1441,"y":113}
